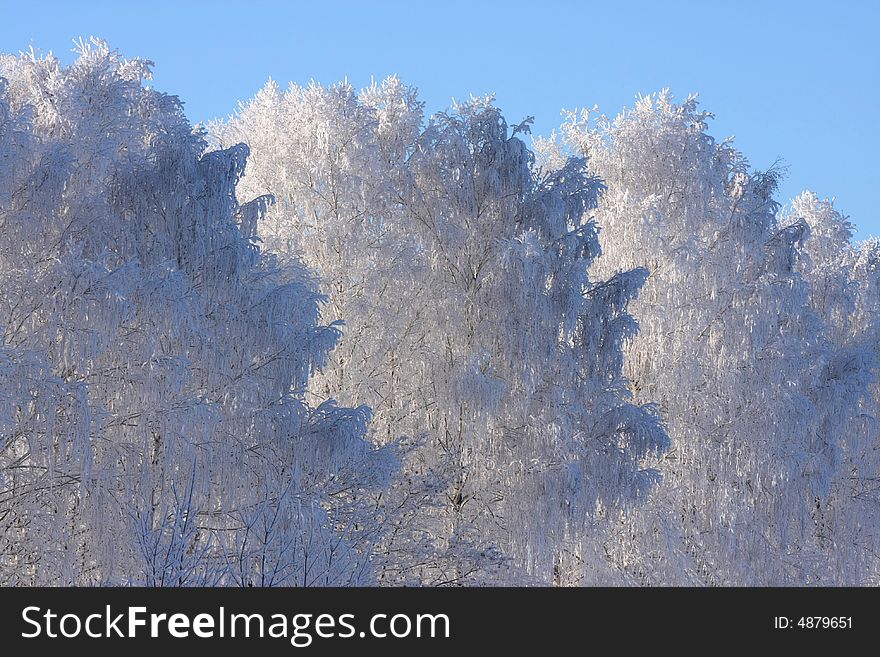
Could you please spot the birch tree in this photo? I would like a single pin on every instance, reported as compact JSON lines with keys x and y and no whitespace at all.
{"x":471,"y":327}
{"x":754,"y":393}
{"x":843,"y":291}
{"x":154,"y":360}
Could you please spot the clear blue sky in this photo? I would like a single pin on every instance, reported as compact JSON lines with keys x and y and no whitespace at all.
{"x":796,"y":79}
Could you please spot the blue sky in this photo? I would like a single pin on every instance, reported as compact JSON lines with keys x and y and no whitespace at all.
{"x":798,"y":80}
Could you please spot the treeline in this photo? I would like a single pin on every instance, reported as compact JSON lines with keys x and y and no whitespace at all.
{"x":332,"y":341}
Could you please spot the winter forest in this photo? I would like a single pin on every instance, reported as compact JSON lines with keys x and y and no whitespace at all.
{"x":333,"y":341}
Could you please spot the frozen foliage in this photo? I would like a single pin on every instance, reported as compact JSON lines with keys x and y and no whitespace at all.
{"x":845,"y":291}
{"x":471,"y":327}
{"x":330,"y":341}
{"x":153,"y":361}
{"x":750,"y":345}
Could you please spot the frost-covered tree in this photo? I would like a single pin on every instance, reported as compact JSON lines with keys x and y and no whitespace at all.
{"x":756,"y":396}
{"x":153,"y":363}
{"x":471,"y":327}
{"x":405,"y":360}
{"x":844,"y":291}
